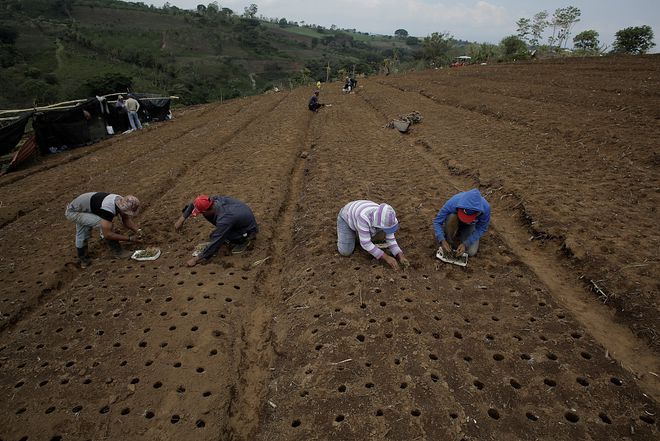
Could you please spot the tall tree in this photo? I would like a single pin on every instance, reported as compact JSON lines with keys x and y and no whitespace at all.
{"x":401,"y":33}
{"x":514,"y":47}
{"x":524,"y":28}
{"x":436,"y":46}
{"x":586,"y":41}
{"x":539,"y":23}
{"x":531,"y":30}
{"x":634,"y":40}
{"x":213,"y":8}
{"x":562,"y":22}
{"x":250,"y":11}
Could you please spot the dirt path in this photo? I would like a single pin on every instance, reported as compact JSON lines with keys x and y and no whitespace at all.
{"x":290,"y":340}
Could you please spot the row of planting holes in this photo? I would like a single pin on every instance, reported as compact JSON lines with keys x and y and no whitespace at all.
{"x":141,"y":344}
{"x":570,"y":416}
{"x":125,"y":411}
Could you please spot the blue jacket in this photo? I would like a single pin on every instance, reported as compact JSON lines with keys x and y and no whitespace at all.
{"x":470,"y":200}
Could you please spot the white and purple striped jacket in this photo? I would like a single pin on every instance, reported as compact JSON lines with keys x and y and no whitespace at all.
{"x":365,"y":217}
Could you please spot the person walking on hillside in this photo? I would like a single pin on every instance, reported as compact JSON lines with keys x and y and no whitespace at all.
{"x":97,"y":210}
{"x":132,"y":107}
{"x":364,"y":221}
{"x":314,"y":104}
{"x":461,"y":222}
{"x":234,"y":223}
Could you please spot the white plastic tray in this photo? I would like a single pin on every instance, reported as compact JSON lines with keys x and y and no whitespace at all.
{"x":137,"y":253}
{"x":460,"y":260}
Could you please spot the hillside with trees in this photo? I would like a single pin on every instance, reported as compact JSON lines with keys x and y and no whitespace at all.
{"x":58,"y":50}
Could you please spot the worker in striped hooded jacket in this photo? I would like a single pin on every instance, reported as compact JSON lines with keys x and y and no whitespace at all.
{"x":363,"y":220}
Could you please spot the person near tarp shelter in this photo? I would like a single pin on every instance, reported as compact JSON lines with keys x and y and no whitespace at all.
{"x":97,"y":210}
{"x":461,"y":222}
{"x":120,"y":121}
{"x":314,"y":104}
{"x":235,"y":224}
{"x":132,"y":107}
{"x":365,"y":221}
{"x":120,"y":105}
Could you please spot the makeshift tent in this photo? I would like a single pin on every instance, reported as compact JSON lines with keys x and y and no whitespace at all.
{"x":70,"y":127}
{"x":11,"y":133}
{"x":153,"y":107}
{"x":89,"y":121}
{"x":74,"y":123}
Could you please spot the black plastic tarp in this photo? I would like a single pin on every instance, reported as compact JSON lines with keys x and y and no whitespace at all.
{"x":152,"y":107}
{"x":73,"y":127}
{"x":11,"y":133}
{"x":88,"y":121}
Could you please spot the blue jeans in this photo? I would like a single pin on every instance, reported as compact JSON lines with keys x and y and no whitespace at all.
{"x":134,"y":120}
{"x":84,"y":224}
{"x":457,"y":233}
{"x":345,"y":238}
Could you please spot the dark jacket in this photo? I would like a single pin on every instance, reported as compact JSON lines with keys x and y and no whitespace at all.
{"x":233,"y":221}
{"x":314,"y":102}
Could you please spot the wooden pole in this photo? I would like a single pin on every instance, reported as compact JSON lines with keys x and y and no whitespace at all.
{"x":71,"y":104}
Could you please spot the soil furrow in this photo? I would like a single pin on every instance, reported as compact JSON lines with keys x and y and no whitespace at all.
{"x":562,"y":282}
{"x":257,"y":351}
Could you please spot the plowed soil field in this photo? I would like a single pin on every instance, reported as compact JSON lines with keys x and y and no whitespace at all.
{"x":549,"y":333}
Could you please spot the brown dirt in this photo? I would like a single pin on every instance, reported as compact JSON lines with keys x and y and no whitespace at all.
{"x":291,"y":341}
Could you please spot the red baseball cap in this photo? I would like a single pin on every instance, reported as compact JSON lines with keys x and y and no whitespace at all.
{"x":467,"y":216}
{"x":202,"y":203}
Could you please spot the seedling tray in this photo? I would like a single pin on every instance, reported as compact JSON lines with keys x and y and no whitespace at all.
{"x":137,"y":255}
{"x":461,"y":260}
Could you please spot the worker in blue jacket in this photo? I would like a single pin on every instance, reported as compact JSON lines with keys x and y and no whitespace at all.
{"x":461,"y":222}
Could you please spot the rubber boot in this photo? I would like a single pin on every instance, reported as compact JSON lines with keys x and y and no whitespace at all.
{"x":241,"y":247}
{"x":244,"y":244}
{"x":117,"y":250}
{"x":83,"y":258}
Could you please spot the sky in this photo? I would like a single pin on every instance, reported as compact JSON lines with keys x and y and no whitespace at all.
{"x":472,"y":20}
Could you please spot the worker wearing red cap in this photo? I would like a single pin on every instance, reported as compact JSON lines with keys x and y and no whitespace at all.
{"x":461,"y":222}
{"x":234,"y":222}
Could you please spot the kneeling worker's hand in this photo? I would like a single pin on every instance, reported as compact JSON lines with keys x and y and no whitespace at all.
{"x":445,"y":246}
{"x":391,"y":261}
